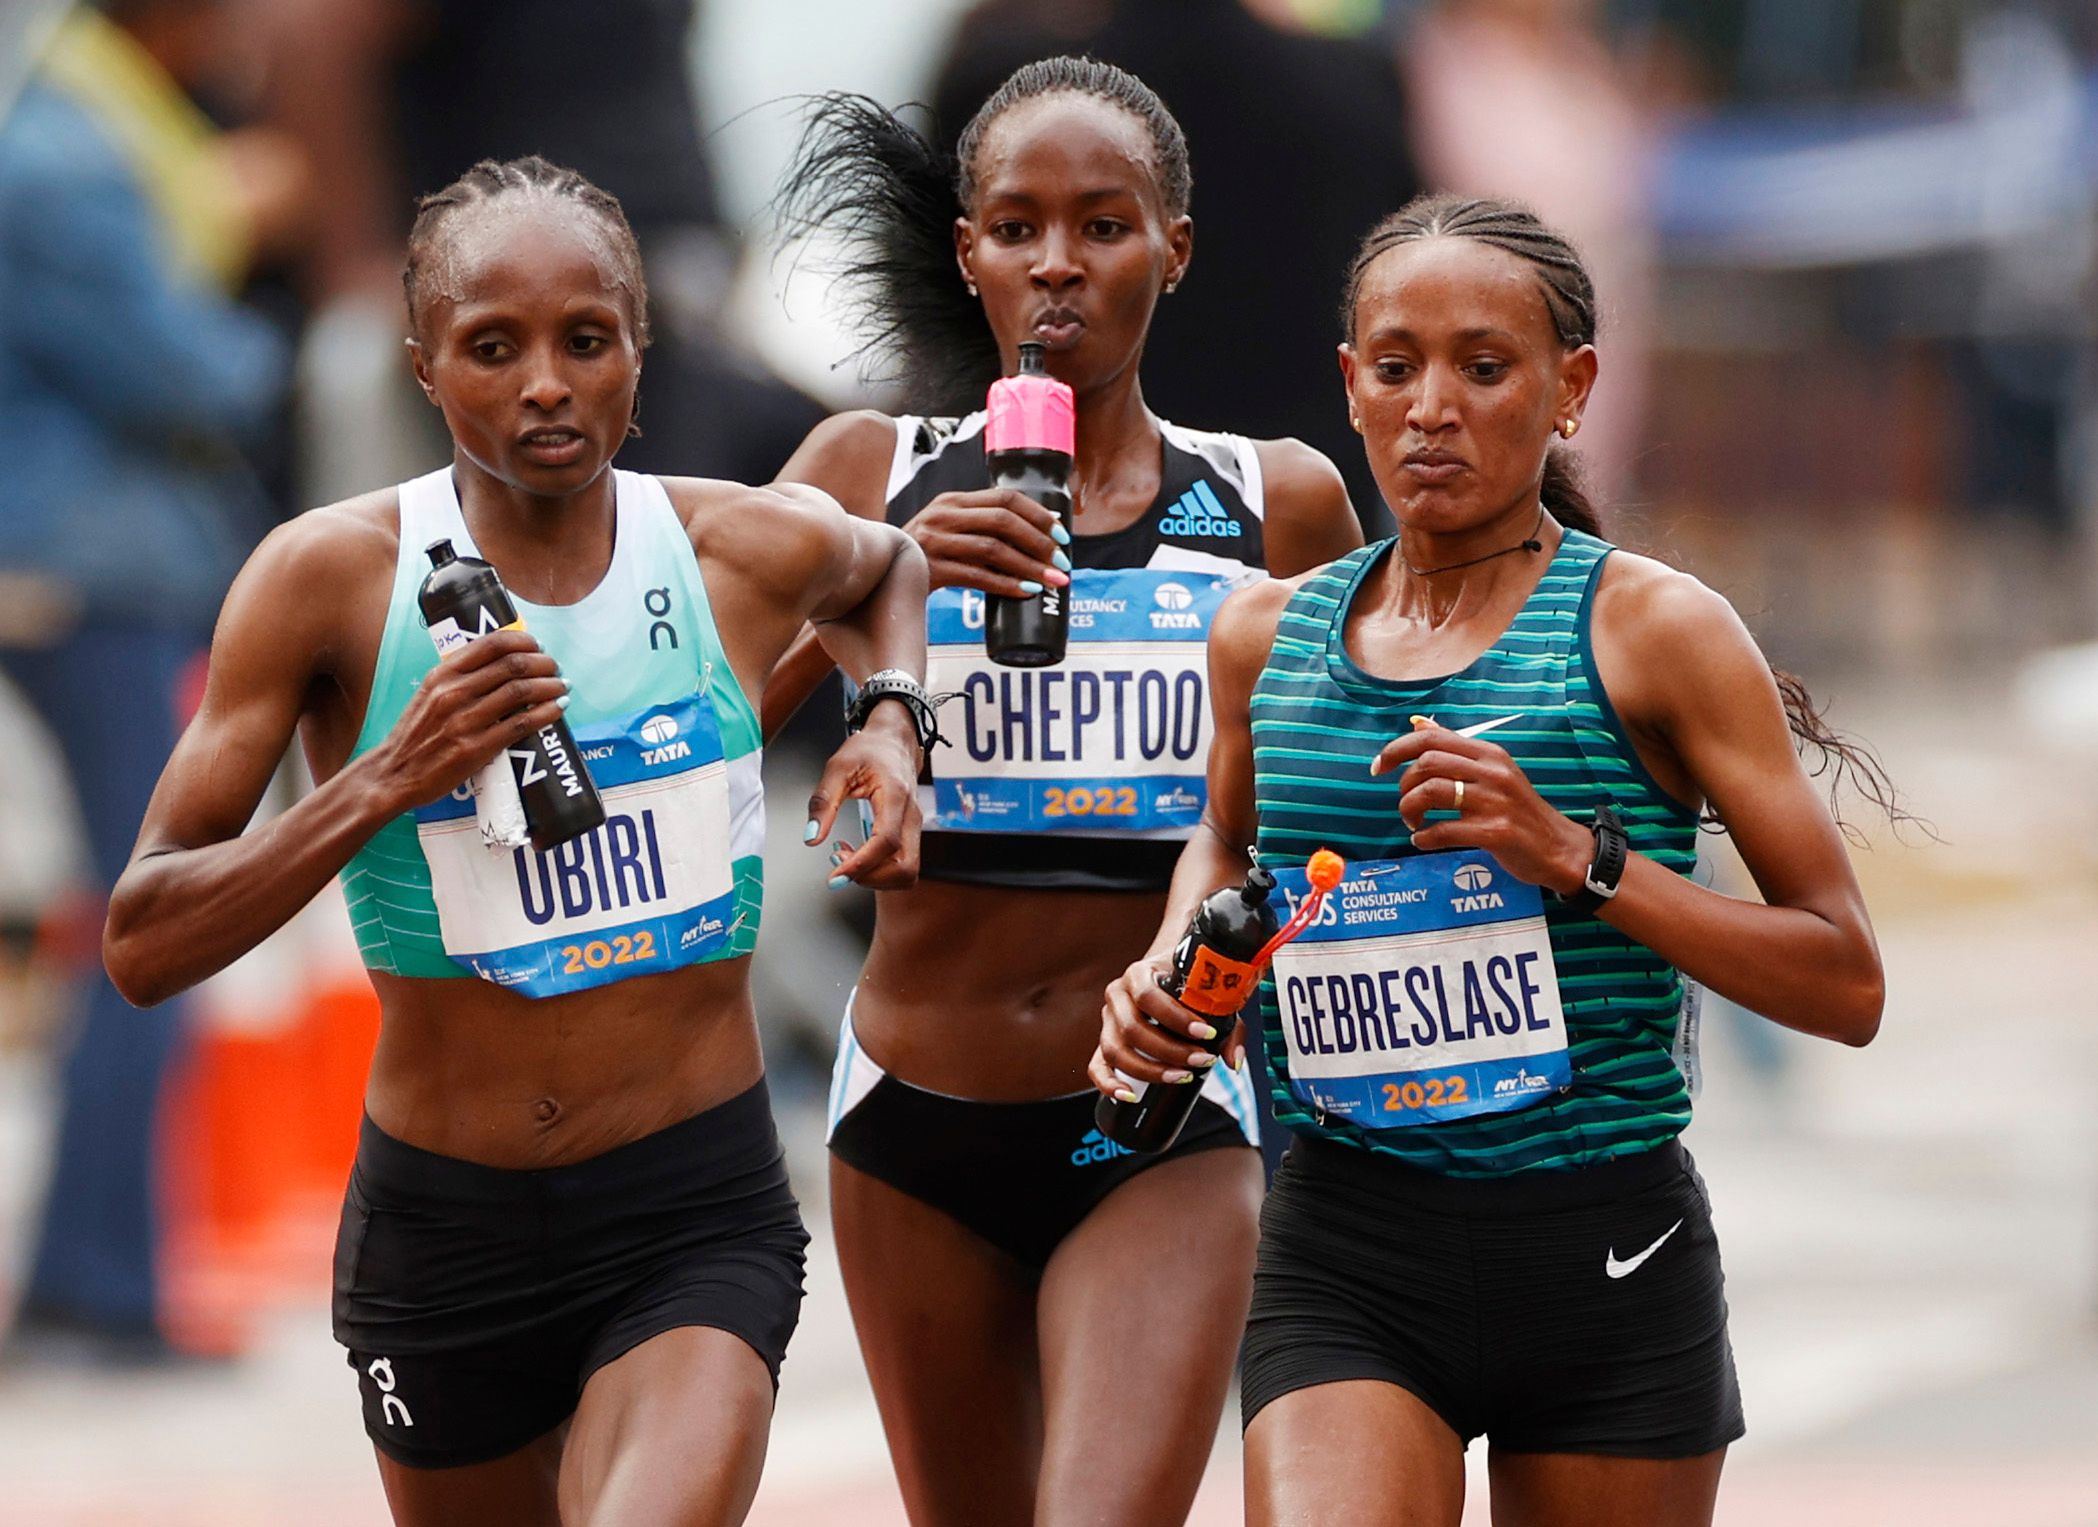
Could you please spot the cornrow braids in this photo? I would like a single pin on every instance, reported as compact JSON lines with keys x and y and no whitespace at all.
{"x":1568,"y":291}
{"x":1569,"y":296}
{"x":866,"y":175}
{"x":1103,"y":81}
{"x":438,"y":215}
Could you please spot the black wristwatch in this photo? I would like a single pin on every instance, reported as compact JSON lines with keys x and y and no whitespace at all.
{"x":895,"y":684}
{"x":1606,"y":869}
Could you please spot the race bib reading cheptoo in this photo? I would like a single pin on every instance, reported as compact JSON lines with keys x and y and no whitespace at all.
{"x":1113,"y":740}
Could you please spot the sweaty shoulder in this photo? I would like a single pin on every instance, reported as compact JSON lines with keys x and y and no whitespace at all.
{"x":327,"y":573}
{"x":1660,"y":635}
{"x":848,"y":455}
{"x":1296,"y":473}
{"x":779,"y":538}
{"x":1308,"y":518}
{"x":1243,"y":632}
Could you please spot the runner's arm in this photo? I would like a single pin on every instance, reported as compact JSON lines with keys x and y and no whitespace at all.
{"x":1806,"y":956}
{"x":1218,"y":854}
{"x":847,"y":457}
{"x":800,"y":560}
{"x":1309,"y":520}
{"x":200,"y":890}
{"x":992,"y":539}
{"x":1681,"y":668}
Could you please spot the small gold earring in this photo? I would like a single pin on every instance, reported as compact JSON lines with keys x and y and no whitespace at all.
{"x":1568,"y":426}
{"x":1355,"y":423}
{"x":1172,"y":286}
{"x":972,"y":287}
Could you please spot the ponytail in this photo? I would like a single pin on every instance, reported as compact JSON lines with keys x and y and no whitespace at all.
{"x":864,"y":176}
{"x":1562,"y":494}
{"x":868,"y":178}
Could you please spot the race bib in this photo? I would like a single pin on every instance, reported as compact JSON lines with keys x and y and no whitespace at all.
{"x":1424,"y":991}
{"x":652,"y":889}
{"x":1113,"y":740}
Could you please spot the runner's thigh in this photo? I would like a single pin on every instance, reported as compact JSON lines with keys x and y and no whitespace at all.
{"x":518,"y":1489}
{"x":946,"y":1325}
{"x":672,"y":1434}
{"x":1589,"y":1490}
{"x":1361,"y":1452}
{"x":1141,"y":1313}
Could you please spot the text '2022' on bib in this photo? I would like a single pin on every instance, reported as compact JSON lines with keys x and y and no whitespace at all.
{"x":1423,"y":991}
{"x":1115,"y":739}
{"x":652,"y":889}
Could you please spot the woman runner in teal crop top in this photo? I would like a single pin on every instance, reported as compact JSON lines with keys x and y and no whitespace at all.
{"x":569,"y":1261}
{"x":1507,"y":730}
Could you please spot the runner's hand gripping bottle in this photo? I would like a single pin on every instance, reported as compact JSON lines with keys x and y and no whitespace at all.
{"x":462,"y":598}
{"x":1028,"y":434}
{"x":1216,"y":965}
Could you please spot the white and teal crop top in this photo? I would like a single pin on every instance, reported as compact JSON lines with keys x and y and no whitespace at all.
{"x":674,"y":877}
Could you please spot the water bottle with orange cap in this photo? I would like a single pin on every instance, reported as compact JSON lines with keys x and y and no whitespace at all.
{"x":1216,"y":965}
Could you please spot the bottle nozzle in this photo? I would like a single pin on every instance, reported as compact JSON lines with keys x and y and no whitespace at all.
{"x":440,"y":552}
{"x":1258,"y":883}
{"x":1032,"y":363}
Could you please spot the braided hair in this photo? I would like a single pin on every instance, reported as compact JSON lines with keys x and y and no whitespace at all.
{"x":867,"y":174}
{"x":439,"y":215}
{"x":1569,"y":297}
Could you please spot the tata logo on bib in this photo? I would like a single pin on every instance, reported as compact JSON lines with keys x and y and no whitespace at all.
{"x":1174,"y":612}
{"x":1474,"y":879}
{"x":972,"y":609}
{"x":659,"y":732}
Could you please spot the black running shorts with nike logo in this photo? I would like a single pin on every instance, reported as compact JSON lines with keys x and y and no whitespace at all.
{"x":1581,"y":1311}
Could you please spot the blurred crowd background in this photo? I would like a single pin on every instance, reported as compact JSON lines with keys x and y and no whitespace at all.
{"x":1848,"y":253}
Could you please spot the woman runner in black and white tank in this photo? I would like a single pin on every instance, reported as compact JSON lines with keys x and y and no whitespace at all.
{"x":984,"y":1225}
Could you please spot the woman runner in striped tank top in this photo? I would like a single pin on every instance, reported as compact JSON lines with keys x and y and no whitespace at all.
{"x":1483,"y":1045}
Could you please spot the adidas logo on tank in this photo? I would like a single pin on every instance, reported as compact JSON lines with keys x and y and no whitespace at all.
{"x":1199,"y":512}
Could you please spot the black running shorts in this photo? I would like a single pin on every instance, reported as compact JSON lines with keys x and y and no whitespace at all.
{"x":476,"y":1301}
{"x":1020,"y":1175}
{"x":1552,"y":1312}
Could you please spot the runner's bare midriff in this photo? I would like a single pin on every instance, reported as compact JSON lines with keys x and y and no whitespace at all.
{"x":990,"y":993}
{"x":466,"y":1069}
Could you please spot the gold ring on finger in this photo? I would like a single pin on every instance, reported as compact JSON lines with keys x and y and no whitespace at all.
{"x":1459,"y":807}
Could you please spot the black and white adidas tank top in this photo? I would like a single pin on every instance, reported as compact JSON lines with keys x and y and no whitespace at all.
{"x":1091,"y":774}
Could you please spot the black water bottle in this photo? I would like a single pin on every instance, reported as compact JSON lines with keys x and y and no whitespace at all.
{"x":1213,"y":973}
{"x":462,"y":598}
{"x":1030,"y":425}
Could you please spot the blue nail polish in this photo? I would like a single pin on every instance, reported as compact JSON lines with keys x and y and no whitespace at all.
{"x":1059,"y":535}
{"x":1029,"y":586}
{"x":837,"y":881}
{"x":1060,"y":562}
{"x":563,"y":701}
{"x":812,"y":832}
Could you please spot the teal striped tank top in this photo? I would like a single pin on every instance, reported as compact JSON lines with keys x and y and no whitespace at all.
{"x":1318,"y":720}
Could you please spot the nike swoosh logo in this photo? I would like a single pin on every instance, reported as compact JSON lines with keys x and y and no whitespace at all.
{"x":1616,"y":1269}
{"x":1487,"y":726}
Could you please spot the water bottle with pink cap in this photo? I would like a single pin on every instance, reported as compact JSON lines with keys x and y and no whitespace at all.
{"x":1029,"y":426}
